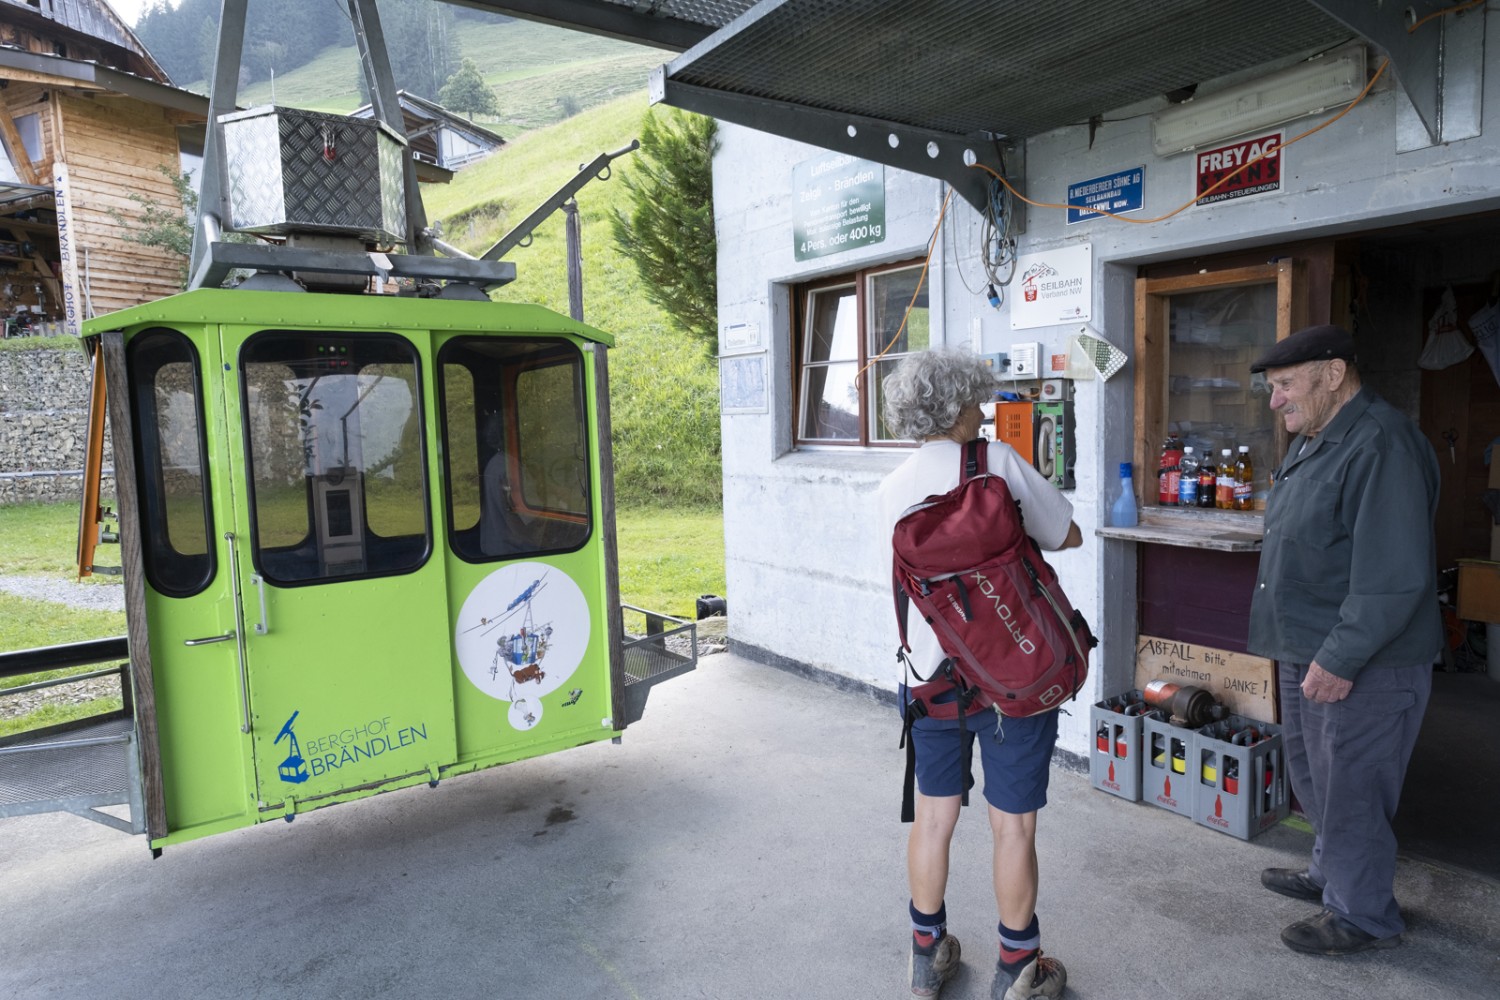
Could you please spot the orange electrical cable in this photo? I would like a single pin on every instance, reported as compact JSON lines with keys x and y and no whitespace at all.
{"x":1221,"y":182}
{"x":1446,"y":10}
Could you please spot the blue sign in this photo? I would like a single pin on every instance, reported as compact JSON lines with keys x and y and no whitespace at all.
{"x":1114,"y":193}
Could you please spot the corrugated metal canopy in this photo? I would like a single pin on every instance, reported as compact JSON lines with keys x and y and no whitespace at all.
{"x":972,"y":67}
{"x":936,"y":86}
{"x":671,"y":24}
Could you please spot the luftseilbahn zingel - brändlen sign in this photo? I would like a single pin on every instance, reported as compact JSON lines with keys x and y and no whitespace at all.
{"x":838,"y":203}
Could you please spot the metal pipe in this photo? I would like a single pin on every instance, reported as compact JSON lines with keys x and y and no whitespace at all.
{"x":61,"y":657}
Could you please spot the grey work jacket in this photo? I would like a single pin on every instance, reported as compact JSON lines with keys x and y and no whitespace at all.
{"x":1348,"y":574}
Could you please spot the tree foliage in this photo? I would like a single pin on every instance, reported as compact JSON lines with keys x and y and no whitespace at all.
{"x":668,"y":229}
{"x":467,"y":92}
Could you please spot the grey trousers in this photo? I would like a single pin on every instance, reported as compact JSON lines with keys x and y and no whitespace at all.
{"x":1347,"y":761}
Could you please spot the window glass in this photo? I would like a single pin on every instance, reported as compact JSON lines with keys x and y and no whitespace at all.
{"x":890,"y":294}
{"x":830,"y":399}
{"x":338,"y":475}
{"x":462,"y":449}
{"x":515,"y":445}
{"x":167,"y":406}
{"x":852,"y":335}
{"x":1212,"y":400}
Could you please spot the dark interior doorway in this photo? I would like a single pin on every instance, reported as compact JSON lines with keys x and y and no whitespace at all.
{"x":1450,"y":807}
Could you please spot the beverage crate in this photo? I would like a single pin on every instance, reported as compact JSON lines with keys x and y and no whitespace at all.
{"x":1166,"y":750}
{"x":1115,"y":761}
{"x":1239,"y":784}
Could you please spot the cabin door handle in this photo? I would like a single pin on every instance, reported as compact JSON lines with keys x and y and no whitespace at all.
{"x":209,"y":640}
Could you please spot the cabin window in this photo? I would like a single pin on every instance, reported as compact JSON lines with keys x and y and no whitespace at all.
{"x":845,"y":324}
{"x":515,"y":447}
{"x":167,"y":409}
{"x":337,"y":468}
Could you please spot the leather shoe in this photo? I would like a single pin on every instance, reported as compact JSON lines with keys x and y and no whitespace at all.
{"x":1289,"y":882}
{"x":1330,"y":934}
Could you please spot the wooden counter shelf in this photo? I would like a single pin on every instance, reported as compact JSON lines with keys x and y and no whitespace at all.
{"x":1222,"y":531}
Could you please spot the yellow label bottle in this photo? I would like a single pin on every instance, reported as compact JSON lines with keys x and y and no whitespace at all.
{"x":1244,"y":481}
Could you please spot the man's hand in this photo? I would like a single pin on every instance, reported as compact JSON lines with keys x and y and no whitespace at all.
{"x":1319,"y":685}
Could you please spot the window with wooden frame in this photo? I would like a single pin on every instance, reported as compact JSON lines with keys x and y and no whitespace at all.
{"x":1196,"y":336}
{"x":843,"y":324}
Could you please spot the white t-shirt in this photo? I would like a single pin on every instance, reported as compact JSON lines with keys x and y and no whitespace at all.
{"x":934,"y":469}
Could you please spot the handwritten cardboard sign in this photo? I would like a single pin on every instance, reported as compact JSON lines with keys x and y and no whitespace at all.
{"x":1244,"y":683}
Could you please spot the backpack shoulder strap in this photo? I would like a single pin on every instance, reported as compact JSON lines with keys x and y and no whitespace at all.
{"x":975,"y":459}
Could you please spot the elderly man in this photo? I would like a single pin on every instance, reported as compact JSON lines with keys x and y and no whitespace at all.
{"x":933,"y":397}
{"x":1346,"y":602}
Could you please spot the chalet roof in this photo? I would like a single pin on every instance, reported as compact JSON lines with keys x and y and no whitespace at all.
{"x":94,"y":18}
{"x":92,"y":74}
{"x":421,"y":116}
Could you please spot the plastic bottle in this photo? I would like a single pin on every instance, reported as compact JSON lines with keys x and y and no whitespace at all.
{"x":1224,"y":488}
{"x":1187,"y":484}
{"x":1169,"y":471}
{"x":1208,"y":478}
{"x":1244,"y":480}
{"x":1123,"y":513}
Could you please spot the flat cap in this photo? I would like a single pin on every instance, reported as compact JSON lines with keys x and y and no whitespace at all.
{"x":1315,"y":343}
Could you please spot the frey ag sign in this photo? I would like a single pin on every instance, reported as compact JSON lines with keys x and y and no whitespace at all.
{"x":1250,"y":166}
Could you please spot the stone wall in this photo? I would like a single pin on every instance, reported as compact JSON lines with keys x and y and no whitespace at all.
{"x":44,"y":398}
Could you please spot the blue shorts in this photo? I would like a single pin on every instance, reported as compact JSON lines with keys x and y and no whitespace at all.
{"x":1016,"y":755}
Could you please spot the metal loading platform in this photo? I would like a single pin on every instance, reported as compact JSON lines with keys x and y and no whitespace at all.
{"x":77,"y":767}
{"x":656,"y":648}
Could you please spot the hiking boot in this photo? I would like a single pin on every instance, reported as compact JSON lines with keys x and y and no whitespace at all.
{"x":1330,"y":934}
{"x":1040,"y":977}
{"x":930,"y":970}
{"x":1293,"y":883}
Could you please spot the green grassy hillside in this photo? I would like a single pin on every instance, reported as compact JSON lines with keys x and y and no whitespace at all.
{"x":665,"y":386}
{"x":541,"y":74}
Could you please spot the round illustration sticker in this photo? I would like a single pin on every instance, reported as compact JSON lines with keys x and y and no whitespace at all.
{"x":521,"y":634}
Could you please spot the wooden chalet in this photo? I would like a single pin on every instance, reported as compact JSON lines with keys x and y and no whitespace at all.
{"x":88,"y":119}
{"x":438,"y":136}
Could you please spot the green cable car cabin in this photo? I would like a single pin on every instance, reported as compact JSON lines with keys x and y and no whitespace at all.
{"x":367,"y":540}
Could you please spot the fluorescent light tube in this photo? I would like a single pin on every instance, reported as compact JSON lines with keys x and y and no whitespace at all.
{"x":1308,"y":88}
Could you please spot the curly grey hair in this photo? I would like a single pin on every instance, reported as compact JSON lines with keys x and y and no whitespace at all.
{"x":928,"y":390}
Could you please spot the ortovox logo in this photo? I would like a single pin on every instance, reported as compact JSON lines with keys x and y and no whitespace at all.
{"x":1004,"y":612}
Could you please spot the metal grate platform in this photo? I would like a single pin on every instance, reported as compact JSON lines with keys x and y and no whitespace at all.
{"x":656,"y":648}
{"x":79,"y":769}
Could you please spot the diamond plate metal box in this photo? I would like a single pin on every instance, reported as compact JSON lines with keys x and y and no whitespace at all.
{"x":289,"y":170}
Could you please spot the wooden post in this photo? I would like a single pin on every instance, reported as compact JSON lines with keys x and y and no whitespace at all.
{"x":117,"y":394}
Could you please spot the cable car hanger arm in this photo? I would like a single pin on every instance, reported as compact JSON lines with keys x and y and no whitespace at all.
{"x":597,"y":167}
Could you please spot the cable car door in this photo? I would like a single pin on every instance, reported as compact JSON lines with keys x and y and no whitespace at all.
{"x":343,"y":597}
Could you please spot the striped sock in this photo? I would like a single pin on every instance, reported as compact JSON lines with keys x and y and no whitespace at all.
{"x":1019,"y":947}
{"x":927,"y":929}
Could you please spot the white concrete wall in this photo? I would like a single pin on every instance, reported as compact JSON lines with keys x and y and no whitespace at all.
{"x":804,"y":577}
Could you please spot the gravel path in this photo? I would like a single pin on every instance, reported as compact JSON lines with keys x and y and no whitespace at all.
{"x":105,"y":596}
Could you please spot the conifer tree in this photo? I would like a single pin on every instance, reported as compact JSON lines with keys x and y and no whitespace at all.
{"x":668,"y":230}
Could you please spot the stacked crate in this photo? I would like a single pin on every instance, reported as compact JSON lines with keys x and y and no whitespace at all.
{"x":1229,"y":776}
{"x":1115,"y":763}
{"x":1241,"y":786}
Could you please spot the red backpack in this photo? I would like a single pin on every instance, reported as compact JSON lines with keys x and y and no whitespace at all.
{"x":1013,"y":640}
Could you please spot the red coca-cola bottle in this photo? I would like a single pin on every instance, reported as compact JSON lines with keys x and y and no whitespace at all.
{"x":1169,"y":471}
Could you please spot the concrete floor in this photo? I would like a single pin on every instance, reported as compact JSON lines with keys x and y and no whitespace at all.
{"x":741,"y":843}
